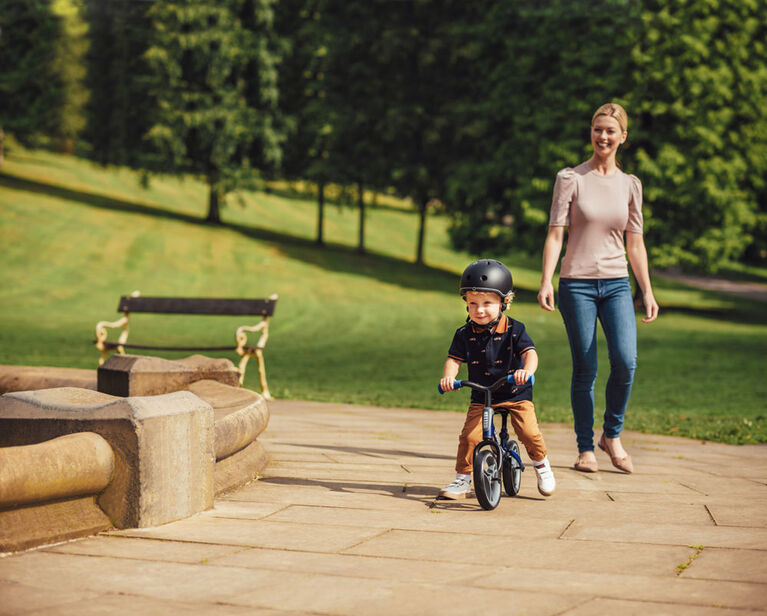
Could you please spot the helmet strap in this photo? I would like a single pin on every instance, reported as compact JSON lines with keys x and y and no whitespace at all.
{"x":487,"y":326}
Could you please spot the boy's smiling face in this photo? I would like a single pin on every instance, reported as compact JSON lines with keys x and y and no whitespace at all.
{"x":483,"y":307}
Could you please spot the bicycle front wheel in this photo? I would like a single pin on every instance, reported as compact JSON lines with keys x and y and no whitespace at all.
{"x":487,"y":479}
{"x":512,"y":473}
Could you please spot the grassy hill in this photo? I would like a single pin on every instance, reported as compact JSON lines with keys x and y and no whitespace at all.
{"x":351,"y":328}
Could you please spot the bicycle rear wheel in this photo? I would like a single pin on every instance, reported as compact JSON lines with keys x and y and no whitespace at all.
{"x":512,"y":473}
{"x":487,"y":479}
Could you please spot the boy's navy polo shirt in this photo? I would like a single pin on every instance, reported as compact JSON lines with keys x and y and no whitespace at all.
{"x":490,"y":355}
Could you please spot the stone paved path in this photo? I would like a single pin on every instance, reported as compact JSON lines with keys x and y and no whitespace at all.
{"x":345,"y":521}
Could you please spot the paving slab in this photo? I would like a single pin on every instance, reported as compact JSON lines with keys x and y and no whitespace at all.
{"x":542,"y":552}
{"x":21,"y":598}
{"x":353,"y":566}
{"x":255,"y":533}
{"x":108,"y":604}
{"x":345,"y":520}
{"x":146,"y":549}
{"x":686,"y":592}
{"x":742,"y":515}
{"x":610,"y":607}
{"x":672,"y":534}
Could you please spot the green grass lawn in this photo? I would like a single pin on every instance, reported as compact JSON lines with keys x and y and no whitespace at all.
{"x":359,"y":329}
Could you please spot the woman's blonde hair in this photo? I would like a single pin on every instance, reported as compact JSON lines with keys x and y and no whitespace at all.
{"x":613,"y":110}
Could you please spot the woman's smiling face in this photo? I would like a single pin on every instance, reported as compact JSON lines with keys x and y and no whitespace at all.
{"x":606,"y":136}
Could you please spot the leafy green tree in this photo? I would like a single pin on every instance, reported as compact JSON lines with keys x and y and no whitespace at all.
{"x":539,"y":71}
{"x":216,"y":92}
{"x":302,"y":97}
{"x":42,"y":43}
{"x":120,"y":108}
{"x":699,"y":89}
{"x":355,"y":98}
{"x":419,"y":62}
{"x":68,"y":64}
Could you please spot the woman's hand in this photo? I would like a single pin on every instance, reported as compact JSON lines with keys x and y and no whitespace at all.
{"x":637,"y":253}
{"x":546,"y":296}
{"x":651,"y":307}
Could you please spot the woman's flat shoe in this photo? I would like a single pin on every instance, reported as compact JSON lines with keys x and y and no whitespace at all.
{"x":622,"y":464}
{"x":586,"y":466}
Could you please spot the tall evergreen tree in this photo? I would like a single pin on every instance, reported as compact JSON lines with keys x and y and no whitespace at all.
{"x":422,"y":59}
{"x":216,"y":91}
{"x":355,"y":98}
{"x":120,"y":109}
{"x":42,"y":43}
{"x":302,"y":97}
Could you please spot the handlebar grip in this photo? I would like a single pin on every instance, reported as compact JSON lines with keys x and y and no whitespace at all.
{"x":530,"y":379}
{"x":456,"y":385}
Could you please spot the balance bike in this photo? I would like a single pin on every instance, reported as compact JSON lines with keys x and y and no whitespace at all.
{"x":495,"y":456}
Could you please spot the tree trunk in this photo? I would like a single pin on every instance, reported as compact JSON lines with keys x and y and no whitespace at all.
{"x":361,"y":204}
{"x":423,"y":207}
{"x":320,"y":211}
{"x":214,"y":213}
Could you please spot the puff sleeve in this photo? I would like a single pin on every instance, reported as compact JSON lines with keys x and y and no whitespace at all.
{"x":635,"y":221}
{"x":565,"y":189}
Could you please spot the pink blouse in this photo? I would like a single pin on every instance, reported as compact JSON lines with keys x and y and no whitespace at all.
{"x":597,"y":210}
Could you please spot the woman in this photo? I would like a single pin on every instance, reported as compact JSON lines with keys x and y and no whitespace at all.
{"x":598,"y":204}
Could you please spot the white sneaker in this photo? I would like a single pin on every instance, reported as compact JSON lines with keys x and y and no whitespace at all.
{"x":546,"y":482}
{"x":458,"y":489}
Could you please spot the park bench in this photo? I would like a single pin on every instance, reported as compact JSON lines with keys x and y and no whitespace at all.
{"x":135,"y":303}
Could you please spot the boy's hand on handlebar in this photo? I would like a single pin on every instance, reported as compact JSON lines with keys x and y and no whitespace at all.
{"x":521,"y":376}
{"x":446,"y":383}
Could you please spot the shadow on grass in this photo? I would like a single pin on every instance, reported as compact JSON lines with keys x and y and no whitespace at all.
{"x":334,"y":257}
{"x":742,"y":311}
{"x":346,"y":259}
{"x":94,"y":199}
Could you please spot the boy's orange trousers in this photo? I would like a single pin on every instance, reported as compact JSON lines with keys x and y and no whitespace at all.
{"x":523,"y":421}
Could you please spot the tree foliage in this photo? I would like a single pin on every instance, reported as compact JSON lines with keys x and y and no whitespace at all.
{"x":540,"y":71}
{"x":474,"y":105}
{"x":699,"y":94}
{"x":120,"y":109}
{"x":42,"y":45}
{"x":420,"y":64}
{"x":215,"y":86}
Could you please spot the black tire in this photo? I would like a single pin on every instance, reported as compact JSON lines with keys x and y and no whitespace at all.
{"x":487,"y":479}
{"x":512,"y":473}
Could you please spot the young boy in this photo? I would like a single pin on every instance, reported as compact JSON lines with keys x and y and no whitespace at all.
{"x":493,"y":346}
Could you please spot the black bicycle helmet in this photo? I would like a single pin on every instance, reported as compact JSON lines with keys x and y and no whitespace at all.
{"x":488,"y":276}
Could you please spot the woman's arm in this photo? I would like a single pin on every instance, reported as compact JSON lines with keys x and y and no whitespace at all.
{"x":637,"y":253}
{"x":552,"y":247}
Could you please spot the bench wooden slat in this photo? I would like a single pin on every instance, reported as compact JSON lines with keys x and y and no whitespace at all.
{"x":197,"y":305}
{"x":113,"y":345}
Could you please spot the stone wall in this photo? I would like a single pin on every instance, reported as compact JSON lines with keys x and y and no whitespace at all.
{"x":169,"y":453}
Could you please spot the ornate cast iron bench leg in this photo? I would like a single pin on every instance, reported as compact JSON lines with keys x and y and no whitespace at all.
{"x":247,"y":352}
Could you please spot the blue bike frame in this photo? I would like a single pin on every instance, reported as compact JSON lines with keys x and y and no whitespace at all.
{"x":498,"y":443}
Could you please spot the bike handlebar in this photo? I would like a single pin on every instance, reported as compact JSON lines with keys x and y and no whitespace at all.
{"x":493,"y":387}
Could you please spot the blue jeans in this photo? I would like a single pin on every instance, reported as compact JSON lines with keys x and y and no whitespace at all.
{"x":582,"y":302}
